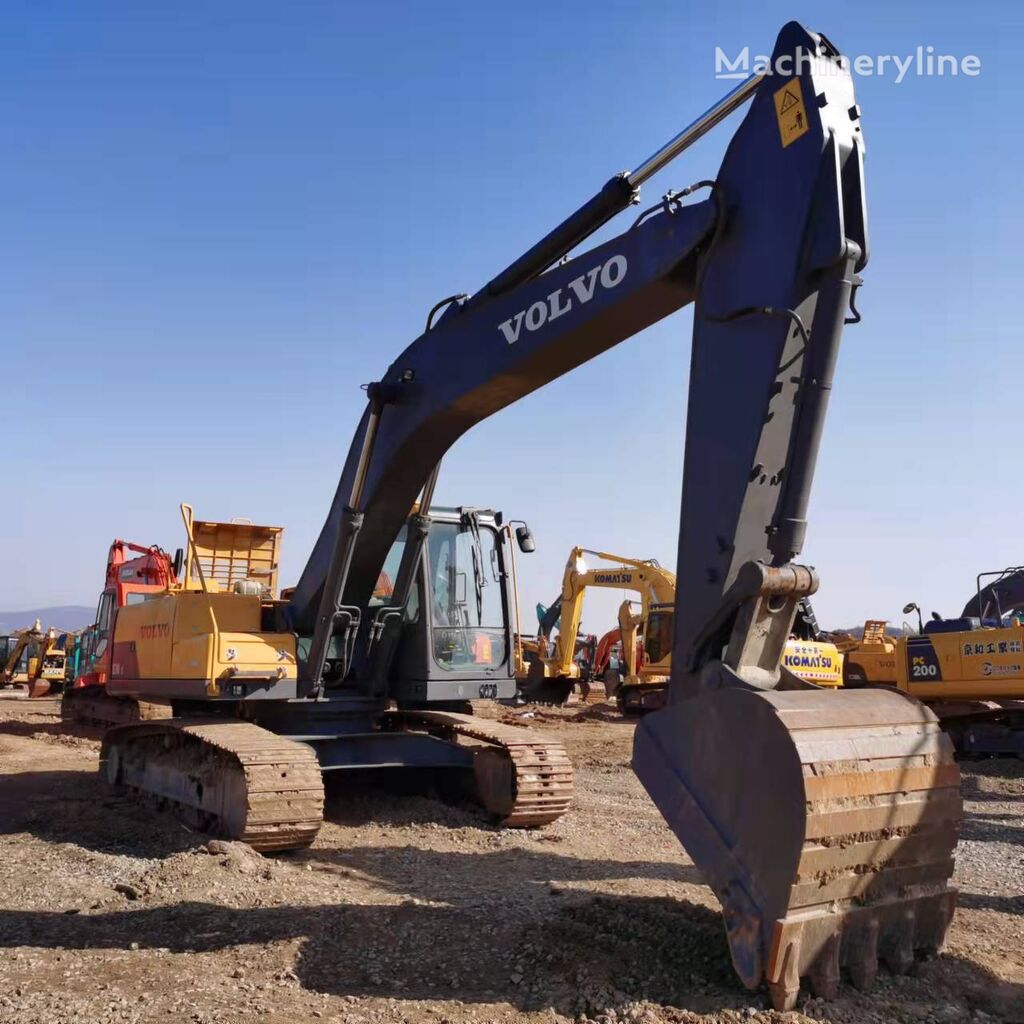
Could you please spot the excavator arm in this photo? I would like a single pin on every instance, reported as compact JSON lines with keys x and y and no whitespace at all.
{"x":1001,"y":596}
{"x":824,"y":822}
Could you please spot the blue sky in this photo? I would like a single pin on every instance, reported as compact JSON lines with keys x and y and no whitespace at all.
{"x":221,"y":219}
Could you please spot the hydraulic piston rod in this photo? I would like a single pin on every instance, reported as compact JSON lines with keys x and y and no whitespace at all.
{"x":696,"y":130}
{"x":616,"y":194}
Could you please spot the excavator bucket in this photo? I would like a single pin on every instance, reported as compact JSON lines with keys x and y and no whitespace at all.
{"x":825,"y":823}
{"x":40,"y":687}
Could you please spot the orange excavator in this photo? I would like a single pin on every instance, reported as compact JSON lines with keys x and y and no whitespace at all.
{"x":611,"y":657}
{"x":127,"y":581}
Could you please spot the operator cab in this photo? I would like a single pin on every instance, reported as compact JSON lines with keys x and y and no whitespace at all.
{"x":456,"y":632}
{"x":455,"y":636}
{"x":658,"y":633}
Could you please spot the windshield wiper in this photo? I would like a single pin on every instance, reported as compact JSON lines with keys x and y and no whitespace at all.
{"x":471,"y":520}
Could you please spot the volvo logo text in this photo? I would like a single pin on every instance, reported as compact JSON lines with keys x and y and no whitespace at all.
{"x":578,"y":291}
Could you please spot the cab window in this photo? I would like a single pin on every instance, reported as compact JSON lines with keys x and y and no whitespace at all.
{"x":466,"y":597}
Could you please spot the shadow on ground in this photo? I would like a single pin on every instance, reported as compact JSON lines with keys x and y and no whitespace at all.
{"x":991,"y":828}
{"x":458,"y":877}
{"x":979,"y":901}
{"x":1011,"y":770}
{"x":78,"y":807}
{"x":583,"y":956}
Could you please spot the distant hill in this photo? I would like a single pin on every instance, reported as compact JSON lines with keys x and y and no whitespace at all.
{"x":858,"y":630}
{"x":64,"y":616}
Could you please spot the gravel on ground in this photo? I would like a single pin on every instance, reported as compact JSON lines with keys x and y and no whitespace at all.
{"x":409,"y":909}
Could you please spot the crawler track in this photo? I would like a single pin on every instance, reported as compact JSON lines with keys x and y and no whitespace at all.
{"x":227,"y":778}
{"x":523,"y":777}
{"x":92,"y":705}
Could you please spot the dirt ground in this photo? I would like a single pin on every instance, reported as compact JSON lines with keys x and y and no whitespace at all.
{"x":408,"y":909}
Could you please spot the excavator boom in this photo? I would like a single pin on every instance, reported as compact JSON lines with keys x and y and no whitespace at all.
{"x":1001,"y":596}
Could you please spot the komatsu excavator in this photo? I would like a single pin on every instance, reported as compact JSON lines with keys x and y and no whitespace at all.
{"x":823,"y":820}
{"x":647,"y":667}
{"x":968,"y":670}
{"x":553,"y":677}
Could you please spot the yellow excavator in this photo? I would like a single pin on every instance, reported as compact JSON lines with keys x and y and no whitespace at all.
{"x":646,"y":665}
{"x":968,"y":670}
{"x":869,"y":659}
{"x":552,"y":677}
{"x":34,"y":658}
{"x":642,"y":683}
{"x":823,"y":820}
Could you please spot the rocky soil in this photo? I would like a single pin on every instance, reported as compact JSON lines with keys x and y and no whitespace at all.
{"x":409,"y":909}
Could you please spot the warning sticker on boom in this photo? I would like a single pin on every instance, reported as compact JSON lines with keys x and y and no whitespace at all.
{"x":789,"y":109}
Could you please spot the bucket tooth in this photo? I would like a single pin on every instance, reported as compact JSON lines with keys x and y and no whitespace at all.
{"x":785,"y":988}
{"x":825,"y":970}
{"x":862,"y":956}
{"x":825,"y":823}
{"x":899,"y":945}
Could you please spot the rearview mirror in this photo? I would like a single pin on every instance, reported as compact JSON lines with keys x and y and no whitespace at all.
{"x":524,"y":538}
{"x":179,"y":561}
{"x":908,"y":608}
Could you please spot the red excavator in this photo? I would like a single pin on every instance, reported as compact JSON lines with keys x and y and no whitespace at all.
{"x":128,"y":581}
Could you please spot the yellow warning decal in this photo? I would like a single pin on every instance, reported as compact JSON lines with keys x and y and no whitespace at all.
{"x":789,"y":109}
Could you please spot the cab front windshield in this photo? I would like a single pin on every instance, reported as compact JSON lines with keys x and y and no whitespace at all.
{"x":658,"y":633}
{"x":466,"y":594}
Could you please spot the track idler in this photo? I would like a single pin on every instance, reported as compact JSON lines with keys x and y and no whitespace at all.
{"x":824,"y":822}
{"x":523,"y":778}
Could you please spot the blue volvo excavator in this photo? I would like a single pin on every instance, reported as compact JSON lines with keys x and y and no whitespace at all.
{"x":824,"y":821}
